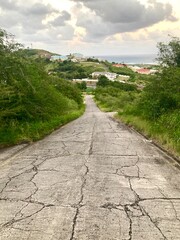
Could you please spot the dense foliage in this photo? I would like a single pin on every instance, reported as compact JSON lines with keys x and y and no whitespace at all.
{"x":28,"y":94}
{"x":70,"y":70}
{"x":122,"y":71}
{"x":156,"y":109}
{"x":169,"y":53}
{"x":104,"y":82}
{"x":162,"y":94}
{"x":113,"y":96}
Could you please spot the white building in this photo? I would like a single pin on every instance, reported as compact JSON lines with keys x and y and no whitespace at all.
{"x":109,"y":75}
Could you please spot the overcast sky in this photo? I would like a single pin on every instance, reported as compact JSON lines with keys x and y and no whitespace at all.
{"x":91,"y":27}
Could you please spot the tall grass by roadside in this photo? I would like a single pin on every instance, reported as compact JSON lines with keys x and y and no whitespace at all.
{"x":161,"y":126}
{"x":115,"y":96}
{"x":27,"y":116}
{"x":32,"y":103}
{"x":165,"y":131}
{"x":22,"y":132}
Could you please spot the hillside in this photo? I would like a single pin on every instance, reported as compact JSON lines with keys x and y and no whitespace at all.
{"x":36,"y":53}
{"x":32,"y":103}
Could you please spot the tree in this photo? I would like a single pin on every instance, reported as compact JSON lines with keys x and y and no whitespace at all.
{"x":161,"y":95}
{"x":169,"y":53}
{"x":103,"y":81}
{"x":27,"y":92}
{"x":83,"y":85}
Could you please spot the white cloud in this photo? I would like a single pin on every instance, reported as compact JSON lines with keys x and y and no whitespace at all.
{"x":106,"y":18}
{"x":90,"y":26}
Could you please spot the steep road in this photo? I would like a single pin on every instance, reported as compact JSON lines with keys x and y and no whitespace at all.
{"x":92,"y":179}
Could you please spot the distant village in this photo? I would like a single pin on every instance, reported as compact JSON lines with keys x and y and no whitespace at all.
{"x":91,"y":82}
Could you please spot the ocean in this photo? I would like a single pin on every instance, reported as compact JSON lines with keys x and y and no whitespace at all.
{"x":130,"y":59}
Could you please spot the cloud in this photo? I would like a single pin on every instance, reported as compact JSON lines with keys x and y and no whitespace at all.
{"x":35,"y":18}
{"x":116,"y":11}
{"x":61,"y":19}
{"x":8,"y":5}
{"x":102,"y":18}
{"x":98,"y":25}
{"x":37,"y":9}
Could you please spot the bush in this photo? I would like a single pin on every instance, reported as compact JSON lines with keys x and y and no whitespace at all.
{"x":161,"y":95}
{"x":29,"y":96}
{"x":115,"y":98}
{"x":122,"y":71}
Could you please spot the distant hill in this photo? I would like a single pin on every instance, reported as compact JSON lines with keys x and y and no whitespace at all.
{"x":35,"y":53}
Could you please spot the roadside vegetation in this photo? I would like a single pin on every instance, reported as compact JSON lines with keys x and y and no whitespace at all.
{"x":113,"y":96}
{"x":155,"y":109}
{"x":123,"y":71}
{"x":32,"y":103}
{"x":37,"y":95}
{"x":70,"y":70}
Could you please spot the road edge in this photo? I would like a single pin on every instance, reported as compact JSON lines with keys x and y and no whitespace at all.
{"x":163,"y":150}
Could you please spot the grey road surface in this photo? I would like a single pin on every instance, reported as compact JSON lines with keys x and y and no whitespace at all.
{"x":93,"y":179}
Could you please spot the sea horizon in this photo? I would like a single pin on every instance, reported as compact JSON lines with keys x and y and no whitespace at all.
{"x":129,"y":58}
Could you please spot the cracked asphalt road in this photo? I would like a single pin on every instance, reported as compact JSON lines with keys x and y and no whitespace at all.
{"x":92,"y":179}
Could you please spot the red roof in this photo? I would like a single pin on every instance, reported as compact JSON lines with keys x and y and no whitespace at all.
{"x":119,"y":65}
{"x":143,"y":71}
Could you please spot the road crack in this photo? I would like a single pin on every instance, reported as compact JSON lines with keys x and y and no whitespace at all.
{"x":12,"y":221}
{"x":92,"y":140}
{"x":79,"y":205}
{"x":130,"y":221}
{"x":155,"y":224}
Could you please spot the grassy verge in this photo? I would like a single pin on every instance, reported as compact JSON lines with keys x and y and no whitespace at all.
{"x":103,"y":107}
{"x":160,"y":131}
{"x":165,"y":131}
{"x":16,"y":133}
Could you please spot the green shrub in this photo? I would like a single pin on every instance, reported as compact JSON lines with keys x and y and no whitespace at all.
{"x":29,"y":97}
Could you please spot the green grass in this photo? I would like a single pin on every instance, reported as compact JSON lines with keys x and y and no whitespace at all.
{"x":16,"y":133}
{"x":51,"y":66}
{"x":94,"y":67}
{"x":159,"y":131}
{"x":165,"y":130}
